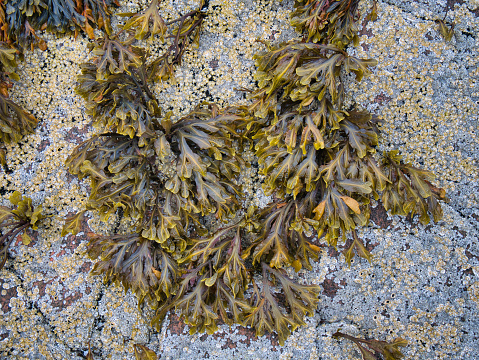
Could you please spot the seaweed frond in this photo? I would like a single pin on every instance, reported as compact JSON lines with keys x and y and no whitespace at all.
{"x":25,"y":17}
{"x":389,"y":350}
{"x":319,"y":160}
{"x":15,"y":221}
{"x":15,"y":122}
{"x":327,"y":22}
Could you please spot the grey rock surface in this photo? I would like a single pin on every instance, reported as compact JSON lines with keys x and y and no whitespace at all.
{"x":423,"y":284}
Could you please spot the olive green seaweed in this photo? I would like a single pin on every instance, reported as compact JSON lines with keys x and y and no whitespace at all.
{"x":319,"y":160}
{"x":19,"y":22}
{"x":17,"y":220}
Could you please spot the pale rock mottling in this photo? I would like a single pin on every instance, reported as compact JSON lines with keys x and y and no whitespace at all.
{"x":423,"y":284}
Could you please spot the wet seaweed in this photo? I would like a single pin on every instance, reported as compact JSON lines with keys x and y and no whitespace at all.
{"x":320,"y":161}
{"x":15,"y":221}
{"x":15,"y":122}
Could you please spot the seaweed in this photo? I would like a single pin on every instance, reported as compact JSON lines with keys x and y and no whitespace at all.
{"x":446,"y":32}
{"x":185,"y":33}
{"x":217,"y":275}
{"x":16,"y":221}
{"x":147,"y":23}
{"x":15,"y":122}
{"x":143,"y":353}
{"x":25,"y":17}
{"x":96,"y":15}
{"x":19,"y":22}
{"x":327,"y":22}
{"x":320,"y":162}
{"x":163,"y":177}
{"x":320,"y":156}
{"x":389,"y":350}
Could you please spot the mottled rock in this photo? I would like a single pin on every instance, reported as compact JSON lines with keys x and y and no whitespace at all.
{"x":423,"y":283}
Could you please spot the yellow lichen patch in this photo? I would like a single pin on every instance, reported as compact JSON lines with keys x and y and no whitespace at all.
{"x":473,"y":291}
{"x":423,"y":116}
{"x":222,"y":65}
{"x":419,"y":118}
{"x":46,"y":89}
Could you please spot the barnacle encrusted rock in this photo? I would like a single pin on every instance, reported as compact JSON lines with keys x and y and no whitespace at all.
{"x":423,"y":283}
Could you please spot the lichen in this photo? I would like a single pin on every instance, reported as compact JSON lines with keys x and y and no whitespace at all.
{"x":51,"y":252}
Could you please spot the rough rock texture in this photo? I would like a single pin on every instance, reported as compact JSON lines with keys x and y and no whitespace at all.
{"x":423,"y":284}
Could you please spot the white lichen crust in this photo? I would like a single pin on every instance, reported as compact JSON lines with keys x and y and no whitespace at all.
{"x":423,"y":284}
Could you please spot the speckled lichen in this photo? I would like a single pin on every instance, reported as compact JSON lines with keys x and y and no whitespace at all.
{"x":433,"y":304}
{"x":425,"y":115}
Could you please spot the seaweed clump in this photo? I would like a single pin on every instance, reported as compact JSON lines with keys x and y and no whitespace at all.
{"x":16,"y":221}
{"x":19,"y":22}
{"x":15,"y":122}
{"x":25,"y":17}
{"x":164,"y":175}
{"x":323,"y":158}
{"x":319,"y":161}
{"x":327,"y":22}
{"x":371,"y":349}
